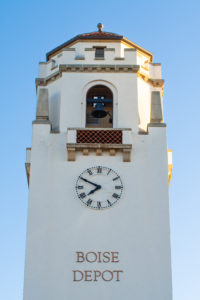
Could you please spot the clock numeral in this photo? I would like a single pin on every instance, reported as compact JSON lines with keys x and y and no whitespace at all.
{"x":116,"y":196}
{"x":109,"y":171}
{"x":118,"y":187}
{"x":89,"y":172}
{"x":99,"y":170}
{"x":99,"y":204}
{"x":82,"y":195}
{"x":115,"y":178}
{"x":89,"y":202}
{"x":80,"y":187}
{"x":109,"y":203}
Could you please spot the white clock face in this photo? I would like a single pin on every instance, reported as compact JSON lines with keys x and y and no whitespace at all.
{"x":99,"y":187}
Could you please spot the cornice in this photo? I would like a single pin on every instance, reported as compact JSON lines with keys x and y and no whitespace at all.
{"x":153,"y":82}
{"x":87,"y":68}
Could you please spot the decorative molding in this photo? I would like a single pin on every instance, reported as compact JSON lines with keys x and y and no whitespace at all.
{"x":155,"y":64}
{"x":45,"y":122}
{"x":53,"y":68}
{"x":109,"y":49}
{"x":157,"y":125}
{"x":85,"y":151}
{"x":98,"y":152}
{"x":69,"y":49}
{"x":130,"y":49}
{"x":71,"y":151}
{"x":85,"y":68}
{"x":48,"y":79}
{"x":81,"y":128}
{"x":79,"y":58}
{"x":126,"y":155}
{"x":112,"y":152}
{"x":53,"y":131}
{"x":85,"y":148}
{"x":99,"y":68}
{"x":89,"y":49}
{"x":142,"y":132}
{"x":153,"y":82}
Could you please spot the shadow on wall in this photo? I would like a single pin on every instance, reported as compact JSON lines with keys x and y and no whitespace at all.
{"x":55,"y":111}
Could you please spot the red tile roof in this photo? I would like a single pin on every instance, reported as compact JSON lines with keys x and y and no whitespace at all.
{"x":99,"y":34}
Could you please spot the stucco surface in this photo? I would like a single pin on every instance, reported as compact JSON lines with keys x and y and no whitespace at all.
{"x":59,"y":225}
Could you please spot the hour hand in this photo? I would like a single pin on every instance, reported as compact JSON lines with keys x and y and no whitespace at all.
{"x":86,"y":180}
{"x":93,"y":191}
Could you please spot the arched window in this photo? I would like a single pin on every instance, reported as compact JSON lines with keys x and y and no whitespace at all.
{"x":99,"y":107}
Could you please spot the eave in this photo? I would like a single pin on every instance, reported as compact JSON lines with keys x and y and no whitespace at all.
{"x":105,"y":39}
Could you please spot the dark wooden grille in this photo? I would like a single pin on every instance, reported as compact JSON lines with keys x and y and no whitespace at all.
{"x":99,"y":136}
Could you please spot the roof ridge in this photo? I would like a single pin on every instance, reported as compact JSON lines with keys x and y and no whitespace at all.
{"x":99,"y":33}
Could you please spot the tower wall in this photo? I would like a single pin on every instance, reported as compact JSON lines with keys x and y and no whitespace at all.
{"x":135,"y":232}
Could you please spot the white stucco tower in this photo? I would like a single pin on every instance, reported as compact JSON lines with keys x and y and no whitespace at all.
{"x":98,"y":173}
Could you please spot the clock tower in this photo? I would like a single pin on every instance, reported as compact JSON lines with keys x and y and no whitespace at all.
{"x":98,"y":174}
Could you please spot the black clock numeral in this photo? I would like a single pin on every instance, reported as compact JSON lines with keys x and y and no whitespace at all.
{"x":115,"y":178}
{"x":80,"y":187}
{"x":82,"y":195}
{"x":116,"y":196}
{"x":99,"y":170}
{"x":89,"y":172}
{"x":118,"y":187}
{"x":109,"y":203}
{"x":109,"y":171}
{"x":98,"y":204}
{"x":89,"y":202}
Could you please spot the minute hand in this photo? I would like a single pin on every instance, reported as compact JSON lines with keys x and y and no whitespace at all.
{"x":84,"y":179}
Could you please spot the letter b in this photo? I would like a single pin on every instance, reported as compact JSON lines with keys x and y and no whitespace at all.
{"x":80,"y":257}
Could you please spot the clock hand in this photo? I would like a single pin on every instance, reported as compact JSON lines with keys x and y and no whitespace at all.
{"x":93,"y":191}
{"x":84,"y":179}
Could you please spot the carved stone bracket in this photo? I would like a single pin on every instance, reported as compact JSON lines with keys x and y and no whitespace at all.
{"x":99,"y":149}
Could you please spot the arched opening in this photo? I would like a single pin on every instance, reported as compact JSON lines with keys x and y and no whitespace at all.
{"x":99,"y":107}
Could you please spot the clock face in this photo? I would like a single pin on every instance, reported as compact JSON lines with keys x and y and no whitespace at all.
{"x":99,"y":187}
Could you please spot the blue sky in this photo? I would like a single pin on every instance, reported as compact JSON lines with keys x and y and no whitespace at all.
{"x":169,"y":29}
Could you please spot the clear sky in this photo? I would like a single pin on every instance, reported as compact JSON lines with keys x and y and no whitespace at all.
{"x":170,"y":30}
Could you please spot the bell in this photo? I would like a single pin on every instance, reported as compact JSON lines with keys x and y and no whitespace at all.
{"x":99,"y":111}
